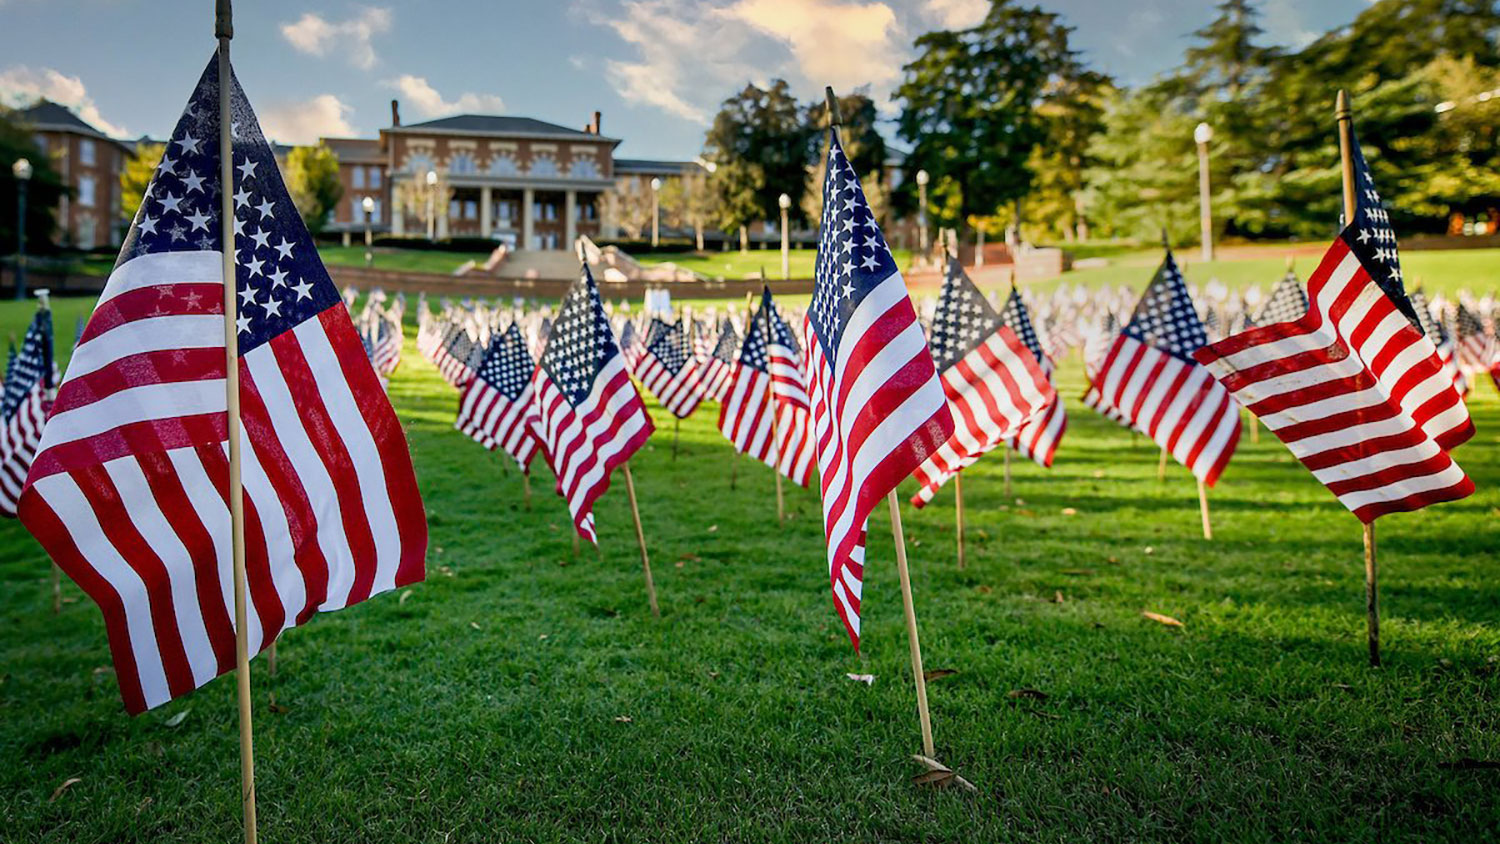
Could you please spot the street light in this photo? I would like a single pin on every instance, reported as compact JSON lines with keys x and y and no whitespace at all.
{"x":1202,"y":135}
{"x":368,"y":203}
{"x":922,"y":178}
{"x":786,"y":245}
{"x":431,"y":202}
{"x":655,"y":212}
{"x":22,"y":171}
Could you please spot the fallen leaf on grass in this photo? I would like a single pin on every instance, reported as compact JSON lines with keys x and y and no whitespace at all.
{"x":624,"y":719}
{"x":713,"y":528}
{"x":867,"y":679}
{"x":404,"y":596}
{"x":67,"y":784}
{"x":1098,"y":473}
{"x":1057,"y":597}
{"x":542,"y":638}
{"x":1069,"y":511}
{"x":474,"y":624}
{"x":938,"y":673}
{"x":178,"y":718}
{"x":276,"y":708}
{"x":1030,"y":694}
{"x":983,"y":589}
{"x":1161,"y":619}
{"x":939,"y":775}
{"x":1149,"y":550}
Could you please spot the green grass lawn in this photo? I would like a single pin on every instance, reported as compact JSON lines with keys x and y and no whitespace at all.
{"x":735,"y":264}
{"x":523,"y":694}
{"x":391,"y":258}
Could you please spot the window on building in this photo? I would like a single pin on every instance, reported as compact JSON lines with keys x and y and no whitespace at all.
{"x":462,"y":164}
{"x":357,"y":178}
{"x":544,"y":167}
{"x":86,"y":233}
{"x":375,"y":177}
{"x":503,"y":165}
{"x":584,"y":168}
{"x":453,"y":209}
{"x":505,"y":213}
{"x":86,"y":191}
{"x":86,"y":152}
{"x":587,"y":211}
{"x":471,"y":209}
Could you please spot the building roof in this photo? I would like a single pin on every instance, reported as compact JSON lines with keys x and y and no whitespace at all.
{"x":653,"y":167}
{"x":355,"y":149}
{"x":492,"y":124}
{"x":49,"y":116}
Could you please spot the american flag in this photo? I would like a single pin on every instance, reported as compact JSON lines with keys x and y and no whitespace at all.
{"x":993,"y":383}
{"x":745,"y":412}
{"x":24,"y":405}
{"x":1306,"y":382}
{"x":1038,"y":437}
{"x":1414,"y":378}
{"x":1151,"y":379}
{"x":129,"y":490}
{"x":669,"y":371}
{"x":1287,"y":302}
{"x":455,"y":357}
{"x":591,"y":419}
{"x":1441,"y":340}
{"x":496,"y":407}
{"x":1475,"y":345}
{"x":630,"y":344}
{"x":877,"y":404}
{"x":718,"y":367}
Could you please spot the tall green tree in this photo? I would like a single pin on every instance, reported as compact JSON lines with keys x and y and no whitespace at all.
{"x":760,"y":143}
{"x":42,"y":193}
{"x":971,"y":103}
{"x":135,"y":176}
{"x":312,"y":178}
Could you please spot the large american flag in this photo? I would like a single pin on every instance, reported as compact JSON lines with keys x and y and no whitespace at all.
{"x":1151,"y":379}
{"x":1038,"y":437}
{"x":1407,"y":365}
{"x":745,"y":414}
{"x":670,"y":371}
{"x":877,"y":404}
{"x":496,"y":407}
{"x":27,"y":398}
{"x":993,"y":384}
{"x":1307,"y":383}
{"x":129,"y":489}
{"x":590,"y":417}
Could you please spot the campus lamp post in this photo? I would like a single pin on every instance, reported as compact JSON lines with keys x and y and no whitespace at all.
{"x":368,"y":204}
{"x":22,"y":171}
{"x":922,"y":178}
{"x":786,"y":244}
{"x":431,"y":205}
{"x":655,"y":212}
{"x":1202,"y":135}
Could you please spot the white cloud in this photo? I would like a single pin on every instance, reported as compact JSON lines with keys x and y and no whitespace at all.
{"x":427,"y":102}
{"x":958,"y":14}
{"x":22,"y":86}
{"x":840,"y":44}
{"x":316,"y":35}
{"x":305,"y":122}
{"x":1283,"y":24}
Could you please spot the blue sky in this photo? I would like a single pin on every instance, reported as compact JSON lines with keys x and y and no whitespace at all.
{"x":656,"y":68}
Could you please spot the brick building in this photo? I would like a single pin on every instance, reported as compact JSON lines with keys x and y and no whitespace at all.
{"x":90,"y":163}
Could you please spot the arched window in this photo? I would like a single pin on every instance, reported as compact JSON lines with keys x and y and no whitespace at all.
{"x":504,"y":165}
{"x":418,"y":164}
{"x":584,"y":168}
{"x":544,"y":166}
{"x":462,"y":163}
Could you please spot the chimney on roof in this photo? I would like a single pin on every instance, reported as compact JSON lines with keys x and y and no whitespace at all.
{"x":595,"y":124}
{"x":395,"y":112}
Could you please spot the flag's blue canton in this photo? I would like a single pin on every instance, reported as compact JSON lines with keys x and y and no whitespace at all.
{"x":852,"y":256}
{"x":729,"y":341}
{"x":1433,"y":328}
{"x":280,"y":279}
{"x":1017,"y":316}
{"x":507,"y":365}
{"x":1467,"y":323}
{"x":460,"y":346}
{"x":963,"y":320}
{"x":1288,"y":302}
{"x":32,"y":365}
{"x":666,"y":345}
{"x":627,"y":333}
{"x":582,"y":341}
{"x":755,"y":353}
{"x":1371,"y":237}
{"x":1165,"y":317}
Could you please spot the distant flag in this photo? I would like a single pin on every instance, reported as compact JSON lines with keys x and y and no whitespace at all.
{"x":630,"y":343}
{"x":128,"y":492}
{"x":878,"y":407}
{"x":1038,"y":437}
{"x":27,"y":399}
{"x":669,"y":370}
{"x":1475,"y":346}
{"x":1307,"y":383}
{"x":591,"y":419}
{"x":745,"y":414}
{"x":993,"y":383}
{"x":1441,"y":340}
{"x":718,"y":368}
{"x":453,"y":357}
{"x":497,"y":406}
{"x":1287,"y":302}
{"x":1409,"y":370}
{"x":1152,"y":380}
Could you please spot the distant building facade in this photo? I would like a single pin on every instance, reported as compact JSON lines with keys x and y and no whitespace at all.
{"x":90,"y":163}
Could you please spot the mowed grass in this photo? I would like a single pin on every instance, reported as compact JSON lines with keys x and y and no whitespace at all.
{"x":525,"y":694}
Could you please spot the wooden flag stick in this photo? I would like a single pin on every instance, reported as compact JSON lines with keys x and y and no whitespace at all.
{"x":224,"y":31}
{"x":640,"y":536}
{"x":911,"y":626}
{"x":771,"y":407}
{"x":1208,"y":528}
{"x":1007,"y":471}
{"x":526,"y":485}
{"x":1345,"y":117}
{"x":1161,"y":465}
{"x":958,"y":514}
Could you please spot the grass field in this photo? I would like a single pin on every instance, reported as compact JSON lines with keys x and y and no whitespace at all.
{"x":522,"y":694}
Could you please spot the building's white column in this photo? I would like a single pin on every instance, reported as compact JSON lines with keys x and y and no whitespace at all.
{"x":570,"y":212}
{"x":398,"y":214}
{"x":486,"y":223}
{"x":442,"y":219}
{"x":528,"y":196}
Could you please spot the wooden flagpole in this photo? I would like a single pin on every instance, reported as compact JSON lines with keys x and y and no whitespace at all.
{"x":910,"y":610}
{"x":734,"y":467}
{"x":1161,"y":466}
{"x":1345,"y":117}
{"x":224,"y":31}
{"x":958,"y":514}
{"x":1208,"y":528}
{"x":640,"y":537}
{"x":772,"y":409}
{"x":526,"y":485}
